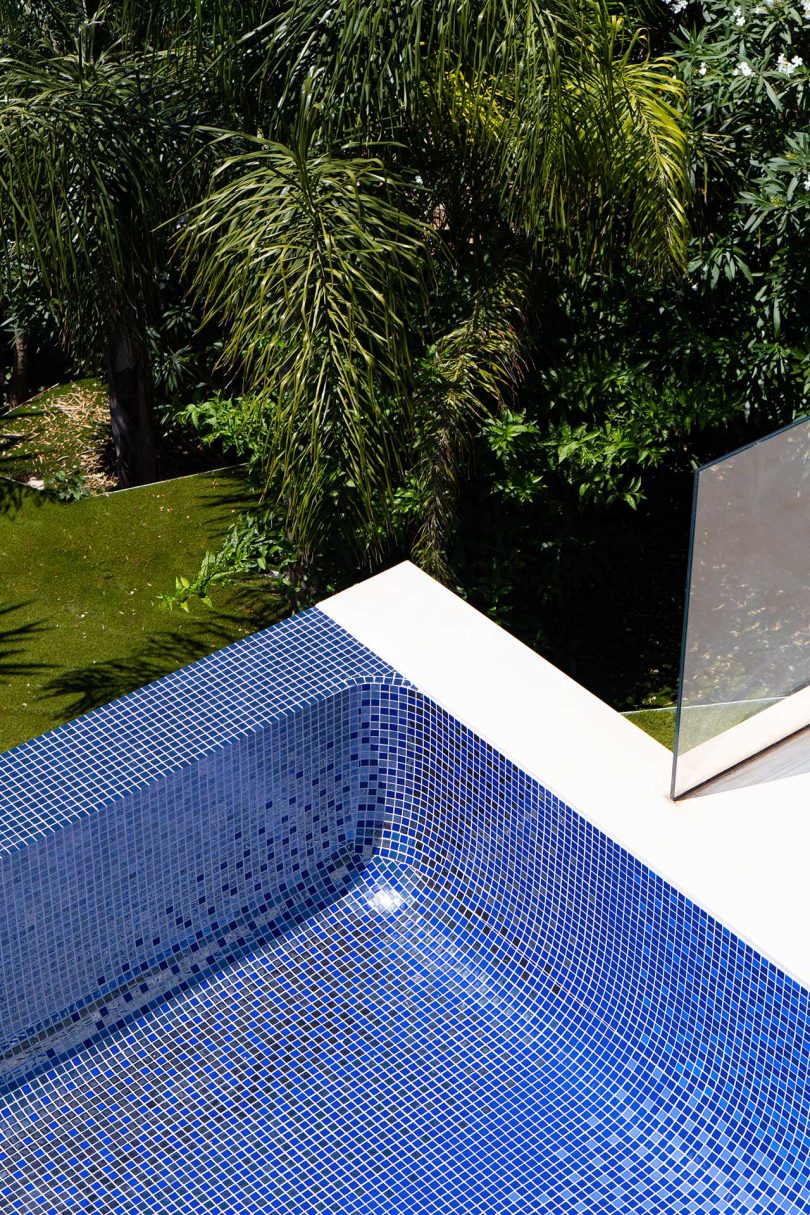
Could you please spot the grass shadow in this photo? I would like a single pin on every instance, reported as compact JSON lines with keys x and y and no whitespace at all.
{"x":259,"y":600}
{"x":89,"y":687}
{"x":15,"y":494}
{"x":16,"y":450}
{"x":13,"y":641}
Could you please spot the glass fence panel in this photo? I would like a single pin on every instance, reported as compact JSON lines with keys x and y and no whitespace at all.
{"x":745,"y":664}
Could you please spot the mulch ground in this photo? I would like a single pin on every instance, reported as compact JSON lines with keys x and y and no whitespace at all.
{"x":62,"y":437}
{"x":61,"y":433}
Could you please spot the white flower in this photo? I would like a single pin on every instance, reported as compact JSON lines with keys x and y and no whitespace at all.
{"x":788,"y":67}
{"x":743,"y":69}
{"x":806,"y":9}
{"x":702,"y":70}
{"x":739,"y":17}
{"x":807,"y":183}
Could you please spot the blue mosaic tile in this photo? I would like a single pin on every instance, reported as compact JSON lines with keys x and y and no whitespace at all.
{"x":143,"y":737}
{"x":343,"y":957}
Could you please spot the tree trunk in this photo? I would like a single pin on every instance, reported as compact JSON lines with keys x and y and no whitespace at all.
{"x":130,"y":387}
{"x":18,"y":391}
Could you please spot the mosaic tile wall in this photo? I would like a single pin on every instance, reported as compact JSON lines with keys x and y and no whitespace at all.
{"x":478,"y":1005}
{"x":187,"y":810}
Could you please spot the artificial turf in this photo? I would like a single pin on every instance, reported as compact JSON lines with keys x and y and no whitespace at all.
{"x":660,"y":723}
{"x":80,"y":621}
{"x":79,"y":582}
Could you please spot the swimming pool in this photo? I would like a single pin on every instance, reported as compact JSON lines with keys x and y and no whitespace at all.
{"x":281,"y":934}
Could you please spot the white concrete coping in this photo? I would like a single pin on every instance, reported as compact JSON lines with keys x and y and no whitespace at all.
{"x":743,"y":854}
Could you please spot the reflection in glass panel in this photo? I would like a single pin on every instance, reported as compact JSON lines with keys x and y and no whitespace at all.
{"x":745,"y":666}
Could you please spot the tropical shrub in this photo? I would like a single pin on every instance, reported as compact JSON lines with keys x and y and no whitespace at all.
{"x":377,"y":255}
{"x":584,"y":492}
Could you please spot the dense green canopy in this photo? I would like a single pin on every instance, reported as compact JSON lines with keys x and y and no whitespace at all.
{"x":362,"y":197}
{"x":465,"y":280}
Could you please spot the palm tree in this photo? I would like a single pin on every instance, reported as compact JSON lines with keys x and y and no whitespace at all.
{"x":95,"y":147}
{"x":367,"y":194}
{"x":423,"y":164}
{"x":315,"y":266}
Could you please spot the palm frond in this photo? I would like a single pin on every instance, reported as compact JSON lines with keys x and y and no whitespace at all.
{"x":595,"y":154}
{"x":88,"y":157}
{"x":591,"y":128}
{"x":314,"y":263}
{"x":469,"y":373}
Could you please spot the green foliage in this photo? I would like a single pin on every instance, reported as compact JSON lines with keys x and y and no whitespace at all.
{"x":312,"y":261}
{"x":749,"y":90}
{"x":425,"y":268}
{"x":358,"y":199}
{"x":556,"y":114}
{"x":371,"y":255}
{"x":234,"y":423}
{"x":635,"y":381}
{"x":418,"y":240}
{"x":87,"y":152}
{"x":252,"y":547}
{"x":468,"y":373}
{"x":67,"y":486}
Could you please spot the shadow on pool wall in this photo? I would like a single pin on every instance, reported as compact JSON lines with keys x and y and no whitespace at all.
{"x":629,"y":1046}
{"x":97,"y":917}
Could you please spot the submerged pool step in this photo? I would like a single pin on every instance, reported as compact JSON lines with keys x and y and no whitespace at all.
{"x":193,"y":961}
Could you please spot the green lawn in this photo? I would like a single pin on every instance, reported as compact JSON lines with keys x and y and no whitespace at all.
{"x":79,"y":618}
{"x":660,"y":723}
{"x":79,"y":621}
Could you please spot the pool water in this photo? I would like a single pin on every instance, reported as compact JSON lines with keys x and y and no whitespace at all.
{"x":348,"y":958}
